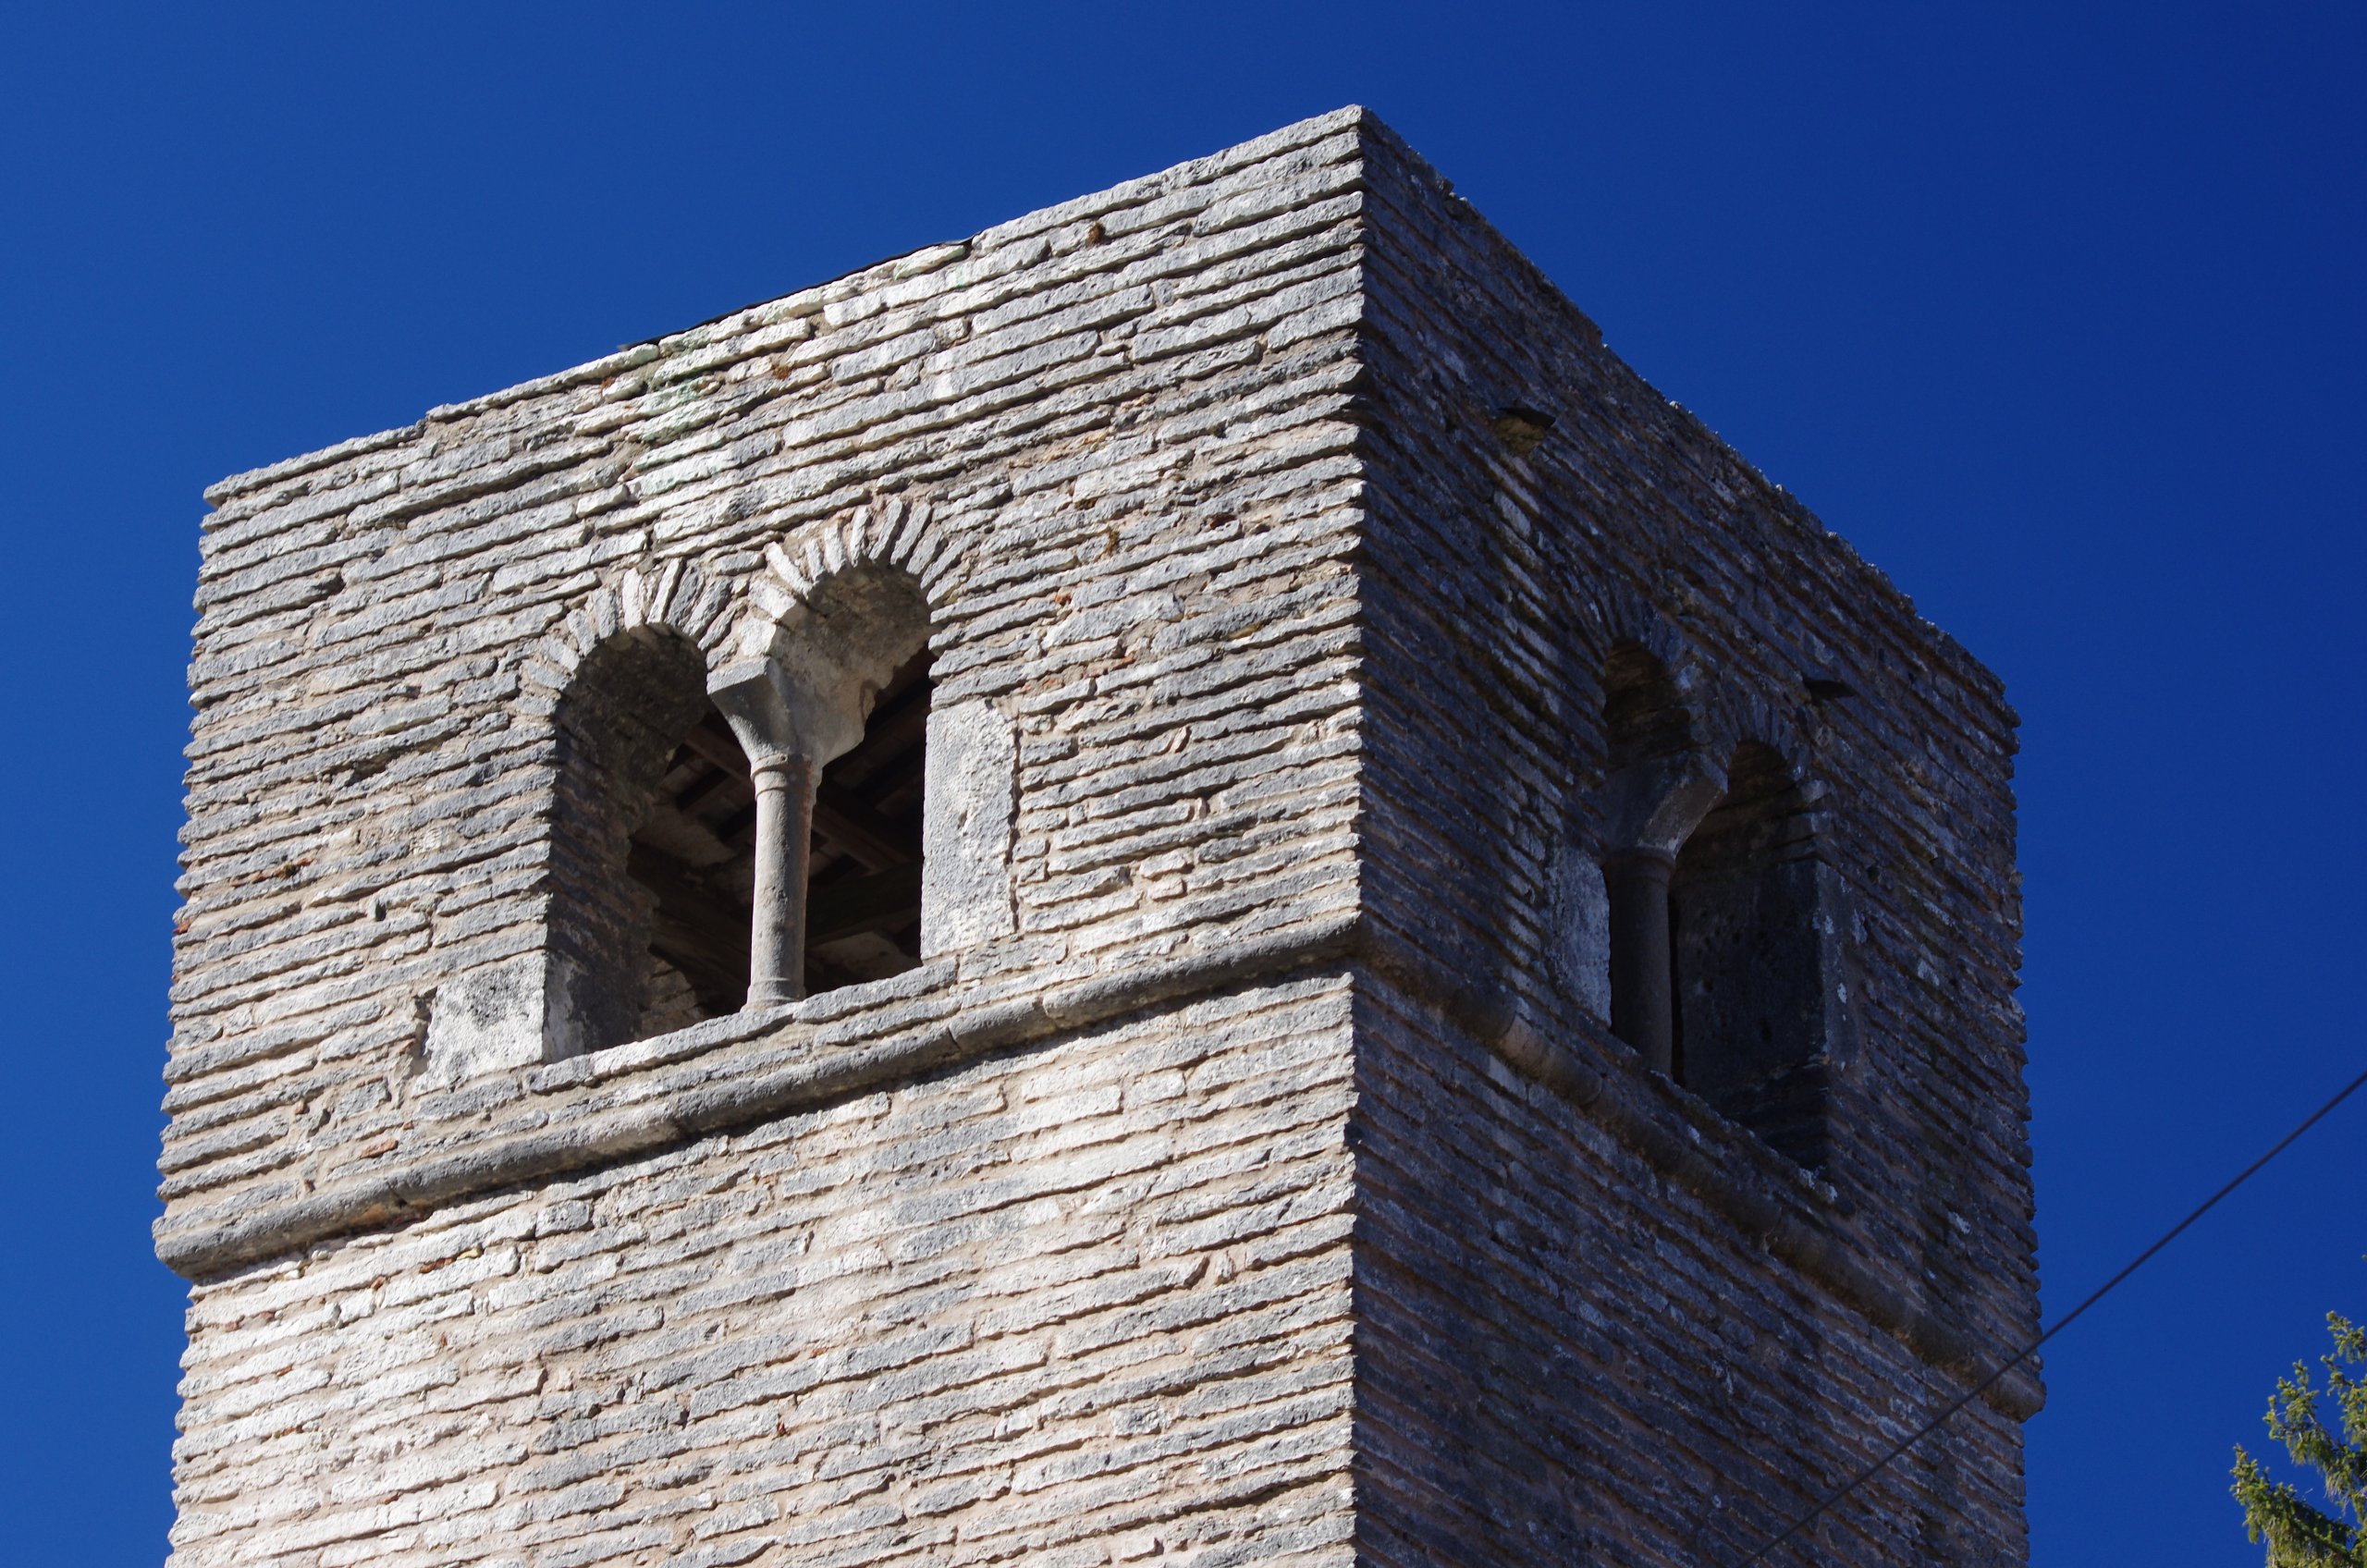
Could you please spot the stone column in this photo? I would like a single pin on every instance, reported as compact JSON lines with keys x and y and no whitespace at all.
{"x":784,"y":841}
{"x":1651,"y":808}
{"x":1643,"y":1003}
{"x":794,"y":710}
{"x":789,"y":724}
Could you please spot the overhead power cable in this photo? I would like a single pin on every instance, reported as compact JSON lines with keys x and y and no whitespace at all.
{"x":1934,"y":1424}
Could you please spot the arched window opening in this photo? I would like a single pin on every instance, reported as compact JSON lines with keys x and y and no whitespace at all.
{"x":738,"y":837}
{"x":833,"y":717}
{"x":1747,"y":973}
{"x":652,"y":859}
{"x":693,"y":853}
{"x":863,"y":903}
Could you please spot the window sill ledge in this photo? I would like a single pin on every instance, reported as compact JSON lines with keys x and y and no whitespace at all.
{"x":880,"y":1005}
{"x":536,"y":1123}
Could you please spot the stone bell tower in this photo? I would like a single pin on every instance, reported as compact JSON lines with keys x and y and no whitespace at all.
{"x":1183,"y":882}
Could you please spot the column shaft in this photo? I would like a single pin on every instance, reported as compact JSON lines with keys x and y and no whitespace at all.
{"x":1643,"y":1008}
{"x":784,"y":841}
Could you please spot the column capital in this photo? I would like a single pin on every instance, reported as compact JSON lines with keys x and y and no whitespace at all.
{"x":811,"y":713}
{"x":1652,"y":807}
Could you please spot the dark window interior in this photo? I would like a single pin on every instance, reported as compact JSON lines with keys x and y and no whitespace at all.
{"x":1747,"y":982}
{"x":649,"y":888}
{"x":863,"y":905}
{"x":694,"y":855}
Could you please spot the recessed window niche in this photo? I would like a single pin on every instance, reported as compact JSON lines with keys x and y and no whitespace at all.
{"x":651,"y":858}
{"x":735,"y":837}
{"x":1715,"y":952}
{"x":862,"y":881}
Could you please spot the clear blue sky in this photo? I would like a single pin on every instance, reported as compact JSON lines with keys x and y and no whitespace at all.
{"x":2058,"y":318}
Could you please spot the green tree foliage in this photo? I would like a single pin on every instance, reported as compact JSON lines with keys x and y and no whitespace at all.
{"x":2324,"y":1430}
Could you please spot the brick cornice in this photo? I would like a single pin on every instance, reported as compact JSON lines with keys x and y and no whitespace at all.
{"x":731,"y":1072}
{"x":533,"y":1123}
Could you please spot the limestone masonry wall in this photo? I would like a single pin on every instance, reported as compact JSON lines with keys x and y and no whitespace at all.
{"x":1081,"y":1302}
{"x":1701,"y":1397}
{"x":1123,"y":418}
{"x":1568,"y":1352}
{"x":1250,"y":1169}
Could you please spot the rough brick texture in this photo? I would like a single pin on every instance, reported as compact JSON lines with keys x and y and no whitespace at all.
{"x":1249,"y":1171}
{"x":1565,"y":1350}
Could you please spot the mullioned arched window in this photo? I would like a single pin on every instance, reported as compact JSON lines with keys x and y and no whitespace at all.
{"x":1716,"y":927}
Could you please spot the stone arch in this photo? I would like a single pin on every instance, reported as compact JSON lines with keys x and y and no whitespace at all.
{"x":650,"y":869}
{"x":889,"y":537}
{"x":675,"y":595}
{"x":828,"y":686}
{"x":617,"y":690}
{"x":1615,"y":618}
{"x":1733,"y":718}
